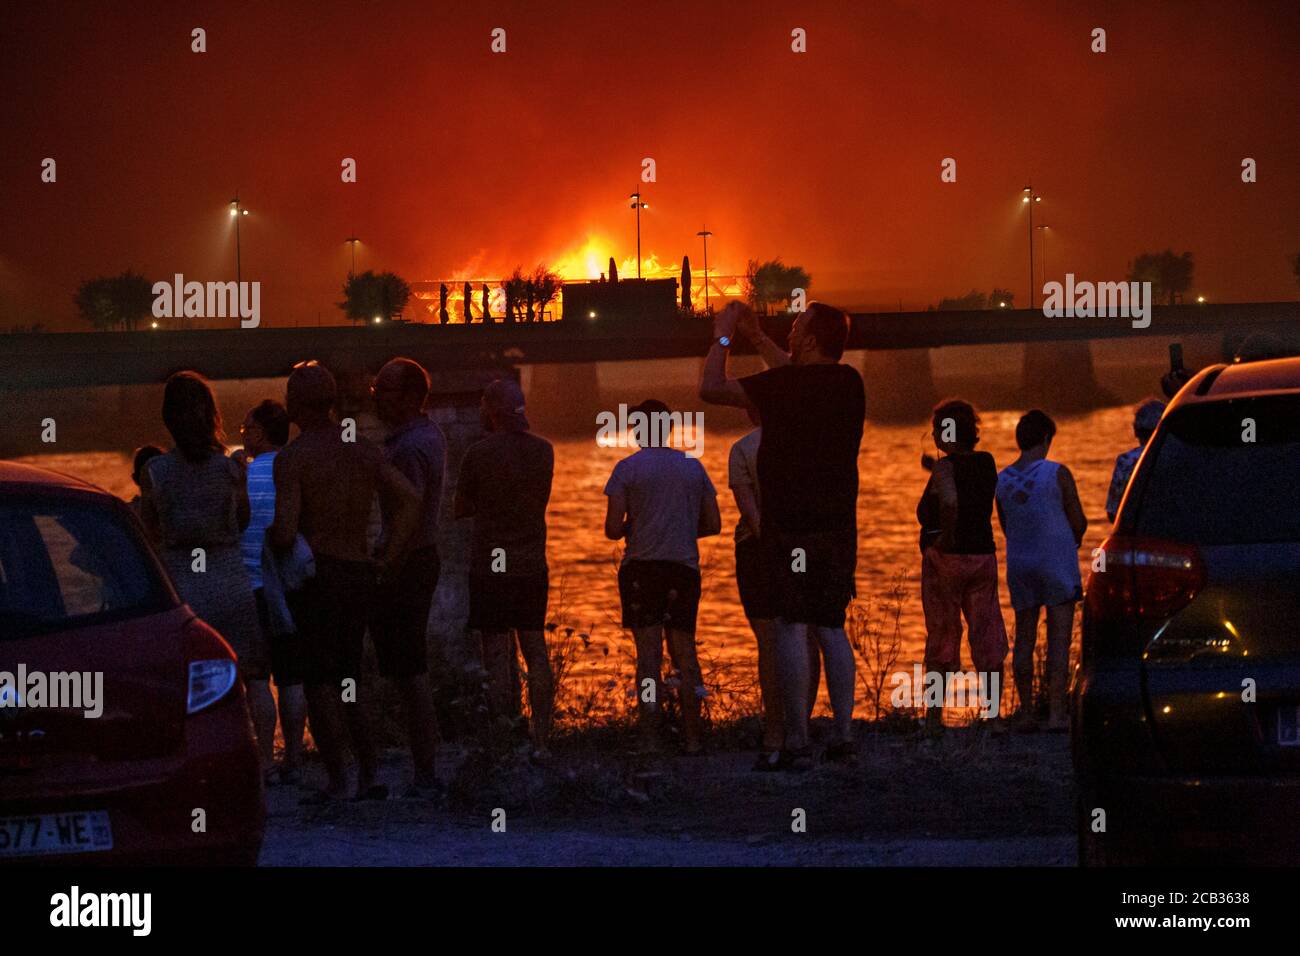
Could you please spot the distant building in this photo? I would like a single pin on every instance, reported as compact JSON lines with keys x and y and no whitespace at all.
{"x":624,"y":299}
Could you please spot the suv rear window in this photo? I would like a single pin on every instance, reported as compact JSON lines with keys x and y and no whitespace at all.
{"x":1207,"y":483}
{"x":66,"y":564}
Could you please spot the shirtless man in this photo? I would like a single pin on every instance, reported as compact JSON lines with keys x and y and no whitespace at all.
{"x":324,"y":488}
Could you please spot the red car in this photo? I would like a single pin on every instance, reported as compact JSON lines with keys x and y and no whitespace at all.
{"x":159,"y":764}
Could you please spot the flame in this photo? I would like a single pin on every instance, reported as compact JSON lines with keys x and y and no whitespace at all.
{"x":585,"y":263}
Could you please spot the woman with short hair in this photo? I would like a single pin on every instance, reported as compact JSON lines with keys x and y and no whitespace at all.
{"x":1039,"y":510}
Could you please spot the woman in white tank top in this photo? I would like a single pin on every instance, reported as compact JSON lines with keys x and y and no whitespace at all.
{"x":1038,"y":507}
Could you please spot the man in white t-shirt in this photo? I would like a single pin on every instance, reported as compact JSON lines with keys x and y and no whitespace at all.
{"x":661,"y":501}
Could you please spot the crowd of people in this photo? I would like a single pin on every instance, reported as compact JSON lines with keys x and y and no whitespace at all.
{"x":272,"y":546}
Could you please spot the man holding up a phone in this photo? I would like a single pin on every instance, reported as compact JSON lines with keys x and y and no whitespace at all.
{"x":812,"y":407}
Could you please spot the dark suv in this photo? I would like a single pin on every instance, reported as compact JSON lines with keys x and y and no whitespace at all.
{"x":1186,"y":704}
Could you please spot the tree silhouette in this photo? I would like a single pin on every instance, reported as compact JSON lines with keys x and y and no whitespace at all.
{"x":973,"y":300}
{"x":1170,"y":275}
{"x":545,"y":286}
{"x":367,"y":296}
{"x":770,"y":283}
{"x":516,"y":288}
{"x":107,"y":302}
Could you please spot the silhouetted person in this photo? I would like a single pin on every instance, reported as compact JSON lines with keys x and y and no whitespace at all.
{"x":505,"y":485}
{"x":326,"y":480}
{"x":1145,"y":420}
{"x":414,"y":446}
{"x":661,"y":501}
{"x":143,"y":455}
{"x":196,"y":506}
{"x":1039,"y":510}
{"x":813,"y":409}
{"x":265,"y":431}
{"x":959,"y":565}
{"x":756,"y":596}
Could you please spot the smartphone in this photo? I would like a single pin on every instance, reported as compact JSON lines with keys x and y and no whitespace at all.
{"x":1176,"y":357}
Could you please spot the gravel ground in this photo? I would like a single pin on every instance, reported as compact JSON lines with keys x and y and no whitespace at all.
{"x":966,"y":800}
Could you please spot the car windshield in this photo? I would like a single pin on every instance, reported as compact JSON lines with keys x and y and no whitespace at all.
{"x":66,"y":564}
{"x":1224,"y":473}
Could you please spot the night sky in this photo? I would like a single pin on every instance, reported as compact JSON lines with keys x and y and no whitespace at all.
{"x":470,"y":162}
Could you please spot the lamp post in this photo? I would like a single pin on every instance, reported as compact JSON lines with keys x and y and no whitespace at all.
{"x":352,"y":241}
{"x":704,"y":234}
{"x":1031,"y":198}
{"x":638,"y":205}
{"x":1042,"y":259}
{"x":239,"y":212}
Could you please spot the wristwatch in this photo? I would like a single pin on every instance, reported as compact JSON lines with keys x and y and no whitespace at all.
{"x":723,"y":340}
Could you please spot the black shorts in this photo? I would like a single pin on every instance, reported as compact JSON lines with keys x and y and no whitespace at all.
{"x":400,"y":621}
{"x":751,"y":581}
{"x":662,"y":593}
{"x":330,"y":611}
{"x":286,"y":649}
{"x":505,"y":602}
{"x":810,"y":575}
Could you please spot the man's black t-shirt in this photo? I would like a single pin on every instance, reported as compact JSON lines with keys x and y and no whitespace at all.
{"x":808,"y":460}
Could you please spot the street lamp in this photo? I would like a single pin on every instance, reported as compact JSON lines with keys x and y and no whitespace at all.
{"x":353,"y":240}
{"x":704,"y":234}
{"x":1031,"y":198}
{"x":1043,"y":258}
{"x":239,"y":212}
{"x":638,"y":205}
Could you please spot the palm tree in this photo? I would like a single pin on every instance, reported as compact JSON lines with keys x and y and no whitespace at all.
{"x":516,"y":287}
{"x":545,"y":286}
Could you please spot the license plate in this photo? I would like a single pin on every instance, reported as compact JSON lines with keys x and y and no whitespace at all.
{"x":1288,"y":726}
{"x":85,"y":831}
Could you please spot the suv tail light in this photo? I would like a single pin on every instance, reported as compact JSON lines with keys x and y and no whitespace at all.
{"x":1145,"y":579}
{"x":212,"y":666}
